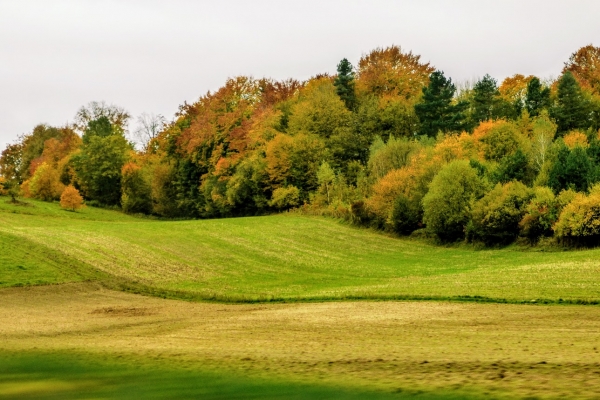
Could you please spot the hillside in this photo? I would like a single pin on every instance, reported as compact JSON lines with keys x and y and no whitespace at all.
{"x":283,"y":257}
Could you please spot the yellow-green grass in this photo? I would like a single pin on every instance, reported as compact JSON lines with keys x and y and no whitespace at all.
{"x":275,"y":258}
{"x":64,"y":375}
{"x":84,"y":341}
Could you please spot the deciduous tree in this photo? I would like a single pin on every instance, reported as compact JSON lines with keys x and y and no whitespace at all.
{"x":70,"y":199}
{"x":392,"y":72}
{"x":447,"y":205}
{"x":584,"y":64}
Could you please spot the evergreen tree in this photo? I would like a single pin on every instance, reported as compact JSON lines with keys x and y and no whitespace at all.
{"x":344,"y":84}
{"x":537,"y":97}
{"x":484,"y":99}
{"x":572,"y":170}
{"x":436,"y":111}
{"x":571,"y":109}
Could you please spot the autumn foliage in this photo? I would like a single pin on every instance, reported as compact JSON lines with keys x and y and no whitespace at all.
{"x":70,"y":199}
{"x":391,"y":143}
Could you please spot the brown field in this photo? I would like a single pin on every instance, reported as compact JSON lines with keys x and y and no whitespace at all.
{"x":504,"y":350}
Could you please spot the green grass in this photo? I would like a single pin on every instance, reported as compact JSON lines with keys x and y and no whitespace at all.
{"x":70,"y":376}
{"x":275,"y":258}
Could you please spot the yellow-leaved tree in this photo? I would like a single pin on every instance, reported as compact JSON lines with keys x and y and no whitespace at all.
{"x":71,"y":199}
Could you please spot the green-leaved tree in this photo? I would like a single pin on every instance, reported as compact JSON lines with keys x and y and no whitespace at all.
{"x":98,"y":165}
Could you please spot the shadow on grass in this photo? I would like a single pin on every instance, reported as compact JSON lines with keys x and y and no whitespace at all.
{"x":70,"y":376}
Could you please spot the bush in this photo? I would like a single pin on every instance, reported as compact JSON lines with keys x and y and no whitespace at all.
{"x":392,"y":155}
{"x":513,"y":167}
{"x":496,"y":216}
{"x":136,"y":194}
{"x":406,"y":215}
{"x":540,"y":215}
{"x":579,"y":221}
{"x":360,"y":214}
{"x":498,"y":139}
{"x":572,"y":169}
{"x":3,"y":187}
{"x":575,"y":139}
{"x":447,"y":205}
{"x":285,"y":197}
{"x":398,"y":182}
{"x":70,"y":199}
{"x":45,"y":183}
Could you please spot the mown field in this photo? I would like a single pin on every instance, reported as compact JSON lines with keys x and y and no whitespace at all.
{"x":82,"y":340}
{"x":78,"y":321}
{"x":283,"y":257}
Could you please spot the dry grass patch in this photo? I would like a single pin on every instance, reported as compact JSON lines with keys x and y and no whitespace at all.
{"x":490,"y":349}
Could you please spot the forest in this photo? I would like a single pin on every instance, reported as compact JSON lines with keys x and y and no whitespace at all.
{"x":389,"y":143}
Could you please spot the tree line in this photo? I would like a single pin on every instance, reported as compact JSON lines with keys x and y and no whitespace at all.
{"x":391,"y":143}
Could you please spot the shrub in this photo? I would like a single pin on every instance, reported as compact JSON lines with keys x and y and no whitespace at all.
{"x":540,"y":214}
{"x":498,"y":139}
{"x":70,"y":199}
{"x":496,"y":216}
{"x":572,"y":169}
{"x":579,"y":221}
{"x":447,"y":205}
{"x":406,"y":215}
{"x":285,"y":197}
{"x":513,"y":167}
{"x":392,"y":155}
{"x":360,"y":214}
{"x":3,"y":186}
{"x":574,"y":139}
{"x":45,"y":183}
{"x":136,"y":194}
{"x":387,"y":189}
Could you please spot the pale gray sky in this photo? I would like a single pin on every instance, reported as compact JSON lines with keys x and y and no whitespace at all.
{"x":151,"y":56}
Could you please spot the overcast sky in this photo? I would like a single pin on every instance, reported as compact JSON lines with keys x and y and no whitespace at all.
{"x":151,"y":56}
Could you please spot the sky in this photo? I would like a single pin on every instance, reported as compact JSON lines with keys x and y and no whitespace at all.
{"x":151,"y":56}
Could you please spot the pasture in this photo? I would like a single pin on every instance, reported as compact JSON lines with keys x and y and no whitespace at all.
{"x":275,"y":258}
{"x":125,"y":342}
{"x":274,"y":311}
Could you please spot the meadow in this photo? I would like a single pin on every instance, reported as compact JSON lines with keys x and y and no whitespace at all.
{"x":284,"y":306}
{"x":284,"y":257}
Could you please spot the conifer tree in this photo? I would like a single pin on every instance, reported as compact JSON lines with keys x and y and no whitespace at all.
{"x":572,"y":169}
{"x":436,"y":111}
{"x":537,"y":97}
{"x":571,"y":109}
{"x":344,"y":84}
{"x":484,"y":98}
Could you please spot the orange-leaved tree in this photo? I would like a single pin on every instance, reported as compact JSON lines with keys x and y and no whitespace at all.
{"x":514,"y":88}
{"x":391,"y":72}
{"x":576,"y":138}
{"x":585,"y":66}
{"x":71,"y":199}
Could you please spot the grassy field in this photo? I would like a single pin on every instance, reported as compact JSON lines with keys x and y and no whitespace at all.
{"x":283,"y":257}
{"x":70,"y":329}
{"x":64,"y":375}
{"x":61,"y":341}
